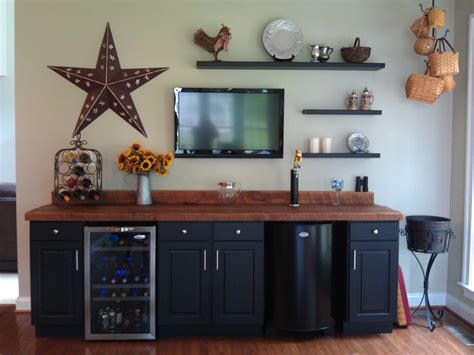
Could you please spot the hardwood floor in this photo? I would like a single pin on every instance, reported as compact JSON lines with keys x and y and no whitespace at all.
{"x":17,"y":337}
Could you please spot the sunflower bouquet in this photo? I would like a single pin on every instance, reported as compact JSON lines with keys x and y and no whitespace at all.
{"x":141,"y":161}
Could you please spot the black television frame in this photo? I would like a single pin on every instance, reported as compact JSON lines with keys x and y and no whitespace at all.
{"x":233,"y":153}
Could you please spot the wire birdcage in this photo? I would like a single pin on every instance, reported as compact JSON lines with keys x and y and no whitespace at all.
{"x":77,"y":173}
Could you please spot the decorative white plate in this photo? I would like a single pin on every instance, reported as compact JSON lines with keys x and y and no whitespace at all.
{"x":358,"y":143}
{"x":282,"y":39}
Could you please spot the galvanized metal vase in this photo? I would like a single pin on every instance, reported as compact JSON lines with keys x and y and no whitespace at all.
{"x":144,"y":190}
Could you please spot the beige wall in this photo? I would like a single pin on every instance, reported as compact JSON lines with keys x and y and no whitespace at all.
{"x":464,"y":8}
{"x":7,"y":101}
{"x":413,"y":174}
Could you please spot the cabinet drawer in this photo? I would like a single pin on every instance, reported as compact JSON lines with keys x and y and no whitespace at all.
{"x":184,"y":231}
{"x":56,"y":231}
{"x":373,"y":231}
{"x":238,"y":231}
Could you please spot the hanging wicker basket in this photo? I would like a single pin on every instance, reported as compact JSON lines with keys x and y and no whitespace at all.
{"x":436,"y":17}
{"x":424,"y":88}
{"x":420,"y":27}
{"x":425,"y":45}
{"x":449,"y":83}
{"x":356,"y":54}
{"x":443,"y":63}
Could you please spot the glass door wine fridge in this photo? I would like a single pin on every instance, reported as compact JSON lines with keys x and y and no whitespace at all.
{"x":120,"y":282}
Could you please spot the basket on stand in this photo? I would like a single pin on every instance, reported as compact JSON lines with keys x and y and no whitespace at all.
{"x":429,"y":235}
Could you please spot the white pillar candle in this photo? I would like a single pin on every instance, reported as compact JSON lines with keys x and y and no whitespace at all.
{"x":314,"y":145}
{"x":326,"y":145}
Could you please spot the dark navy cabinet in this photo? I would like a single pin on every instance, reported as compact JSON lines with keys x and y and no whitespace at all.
{"x":211,"y":278}
{"x":57,"y":278}
{"x":238,"y":283}
{"x":372,"y":277}
{"x":184,"y":283}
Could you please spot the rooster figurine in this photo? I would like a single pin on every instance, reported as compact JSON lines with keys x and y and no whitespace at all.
{"x":213,"y":44}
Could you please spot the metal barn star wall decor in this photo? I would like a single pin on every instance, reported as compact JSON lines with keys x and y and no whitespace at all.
{"x":108,"y":86}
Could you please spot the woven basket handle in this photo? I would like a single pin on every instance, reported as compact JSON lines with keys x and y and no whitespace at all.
{"x":357,"y":42}
{"x":449,"y":44}
{"x":441,"y":45}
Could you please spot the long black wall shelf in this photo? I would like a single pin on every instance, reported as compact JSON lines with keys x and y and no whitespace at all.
{"x":340,"y":112}
{"x":341,"y":155}
{"x":289,"y":65}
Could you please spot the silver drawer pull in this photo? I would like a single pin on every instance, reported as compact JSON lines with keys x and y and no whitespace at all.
{"x":303,"y":234}
{"x":375,"y":231}
{"x":237,"y":231}
{"x":55,"y":231}
{"x":184,"y":231}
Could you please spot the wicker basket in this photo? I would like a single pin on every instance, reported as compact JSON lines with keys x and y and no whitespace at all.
{"x":443,"y":64}
{"x":425,"y":45}
{"x":420,"y":27}
{"x":436,"y":17}
{"x":356,"y":54}
{"x":424,"y":88}
{"x":449,"y":83}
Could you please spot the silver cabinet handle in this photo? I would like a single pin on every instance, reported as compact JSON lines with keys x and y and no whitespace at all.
{"x":205,"y":260}
{"x":217,"y":260}
{"x":55,"y":231}
{"x":375,"y":231}
{"x":355,"y":259}
{"x":238,"y":231}
{"x":184,"y":231}
{"x":77,"y":260}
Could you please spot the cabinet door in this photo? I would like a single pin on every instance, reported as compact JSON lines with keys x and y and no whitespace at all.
{"x":183,"y":283}
{"x":238,"y":283}
{"x":57,"y":283}
{"x":373,"y":281}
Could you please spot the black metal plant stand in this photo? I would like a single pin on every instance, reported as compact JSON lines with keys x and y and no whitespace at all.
{"x":428,"y":235}
{"x":428,"y":309}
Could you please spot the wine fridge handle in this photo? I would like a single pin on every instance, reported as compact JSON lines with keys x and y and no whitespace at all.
{"x":217,"y":260}
{"x":205,"y":260}
{"x":77,"y":260}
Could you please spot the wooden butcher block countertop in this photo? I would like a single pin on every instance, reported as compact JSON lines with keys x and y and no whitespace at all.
{"x":205,"y":206}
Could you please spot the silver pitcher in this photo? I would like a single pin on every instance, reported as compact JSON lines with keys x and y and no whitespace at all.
{"x":319,"y":52}
{"x":324,"y":53}
{"x":314,"y":51}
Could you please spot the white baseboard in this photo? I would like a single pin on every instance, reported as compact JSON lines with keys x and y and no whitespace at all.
{"x":436,"y":299}
{"x":461,"y":309}
{"x":23,"y":304}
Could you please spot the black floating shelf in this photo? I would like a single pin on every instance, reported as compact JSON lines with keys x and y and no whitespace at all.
{"x":289,"y":65}
{"x":341,"y":155}
{"x":341,"y":112}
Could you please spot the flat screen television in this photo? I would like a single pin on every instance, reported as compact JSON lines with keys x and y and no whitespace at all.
{"x":228,"y":123}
